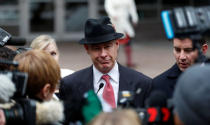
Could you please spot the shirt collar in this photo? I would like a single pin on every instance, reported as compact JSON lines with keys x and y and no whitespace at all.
{"x":114,"y":74}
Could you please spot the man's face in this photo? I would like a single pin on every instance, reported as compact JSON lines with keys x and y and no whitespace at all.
{"x":184,"y":53}
{"x":103,"y":55}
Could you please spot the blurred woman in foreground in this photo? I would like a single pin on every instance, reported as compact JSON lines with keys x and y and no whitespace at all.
{"x":43,"y":73}
{"x":117,"y":117}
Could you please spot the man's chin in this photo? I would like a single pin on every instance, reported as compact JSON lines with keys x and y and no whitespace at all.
{"x":105,"y":65}
{"x":183,"y":68}
{"x":105,"y":68}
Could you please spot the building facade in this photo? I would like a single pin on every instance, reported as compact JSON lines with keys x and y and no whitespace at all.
{"x":64,"y":19}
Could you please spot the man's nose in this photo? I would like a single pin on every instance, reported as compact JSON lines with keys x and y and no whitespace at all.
{"x":103,"y":53}
{"x":183,"y":55}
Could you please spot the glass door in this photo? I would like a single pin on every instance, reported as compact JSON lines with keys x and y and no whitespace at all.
{"x":42,"y":16}
{"x":9,"y":16}
{"x":76,"y":13}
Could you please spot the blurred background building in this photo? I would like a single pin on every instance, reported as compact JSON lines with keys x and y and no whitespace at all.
{"x":64,"y":20}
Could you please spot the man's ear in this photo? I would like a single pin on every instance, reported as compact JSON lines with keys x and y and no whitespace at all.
{"x":204,"y":48}
{"x":86,"y":48}
{"x":117,"y":43}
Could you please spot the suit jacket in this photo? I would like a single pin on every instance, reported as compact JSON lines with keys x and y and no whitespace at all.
{"x":81,"y":81}
{"x":167,"y":80}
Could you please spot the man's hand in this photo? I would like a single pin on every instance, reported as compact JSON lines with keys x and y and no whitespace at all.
{"x":2,"y":118}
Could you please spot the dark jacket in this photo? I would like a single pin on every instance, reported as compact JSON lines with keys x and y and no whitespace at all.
{"x":82,"y":81}
{"x":74,"y":86}
{"x":167,"y":80}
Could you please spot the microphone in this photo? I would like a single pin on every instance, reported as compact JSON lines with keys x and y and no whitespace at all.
{"x":24,"y":110}
{"x":157,"y":109}
{"x":49,"y":112}
{"x":7,"y":88}
{"x":126,"y":98}
{"x":156,"y":98}
{"x":7,"y":39}
{"x":82,"y":109}
{"x":100,"y":87}
{"x":36,"y":113}
{"x":16,"y":41}
{"x":8,"y":62}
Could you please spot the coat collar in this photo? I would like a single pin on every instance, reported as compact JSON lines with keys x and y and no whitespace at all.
{"x":123,"y":80}
{"x":174,"y":72}
{"x":87,"y":80}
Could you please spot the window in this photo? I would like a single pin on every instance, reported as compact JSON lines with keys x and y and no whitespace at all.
{"x":42,"y":16}
{"x":76,"y":13}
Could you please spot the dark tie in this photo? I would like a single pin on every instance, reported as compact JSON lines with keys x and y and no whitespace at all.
{"x":108,"y":93}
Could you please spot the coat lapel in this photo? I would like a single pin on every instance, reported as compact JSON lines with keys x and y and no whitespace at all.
{"x":87,"y":80}
{"x":173,"y":75}
{"x":123,"y":82}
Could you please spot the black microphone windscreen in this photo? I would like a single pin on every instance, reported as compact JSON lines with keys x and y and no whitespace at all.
{"x":7,"y":88}
{"x":16,"y":41}
{"x":73,"y":106}
{"x":49,"y":112}
{"x":156,"y":99}
{"x":101,"y":85}
{"x":8,"y":62}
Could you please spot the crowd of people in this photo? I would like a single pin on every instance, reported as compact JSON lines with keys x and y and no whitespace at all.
{"x":186,"y":86}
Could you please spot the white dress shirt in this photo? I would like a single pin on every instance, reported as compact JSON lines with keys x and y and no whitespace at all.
{"x":114,"y":80}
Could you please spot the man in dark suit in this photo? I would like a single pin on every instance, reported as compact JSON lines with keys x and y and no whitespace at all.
{"x":186,"y":55}
{"x":101,"y":44}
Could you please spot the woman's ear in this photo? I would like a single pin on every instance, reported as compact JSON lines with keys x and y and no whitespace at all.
{"x":46,"y":90}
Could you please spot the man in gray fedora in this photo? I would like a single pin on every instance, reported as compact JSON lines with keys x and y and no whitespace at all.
{"x":106,"y":76}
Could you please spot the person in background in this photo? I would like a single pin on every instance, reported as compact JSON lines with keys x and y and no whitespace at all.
{"x":117,"y":117}
{"x":123,"y":15}
{"x":186,"y":55}
{"x":48,"y":44}
{"x":191,"y":98}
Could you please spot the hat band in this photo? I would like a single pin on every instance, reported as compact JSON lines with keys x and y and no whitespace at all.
{"x":102,"y":38}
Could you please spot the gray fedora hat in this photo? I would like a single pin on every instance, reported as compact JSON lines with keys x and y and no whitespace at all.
{"x":99,"y":31}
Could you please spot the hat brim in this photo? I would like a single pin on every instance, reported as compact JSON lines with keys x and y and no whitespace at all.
{"x":101,"y":39}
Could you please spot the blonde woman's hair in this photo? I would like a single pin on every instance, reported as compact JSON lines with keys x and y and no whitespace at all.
{"x":42,"y":41}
